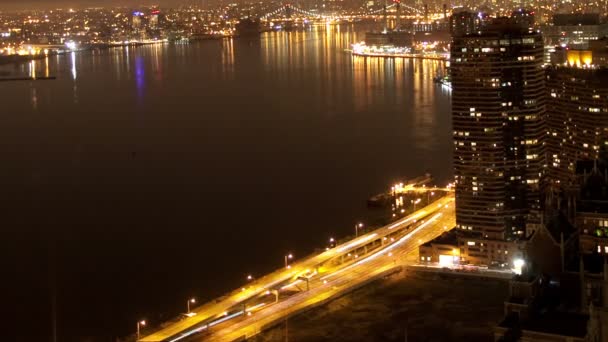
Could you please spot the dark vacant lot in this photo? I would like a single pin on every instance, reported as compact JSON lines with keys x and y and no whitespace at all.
{"x":425,"y":308}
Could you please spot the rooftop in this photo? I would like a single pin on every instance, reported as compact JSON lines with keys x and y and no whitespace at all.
{"x":554,"y":322}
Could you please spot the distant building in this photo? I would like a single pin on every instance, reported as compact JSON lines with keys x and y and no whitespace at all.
{"x":137,"y":21}
{"x":594,"y":55}
{"x":432,"y":32}
{"x":498,"y":104}
{"x":154,"y":19}
{"x":463,"y":22}
{"x":574,"y":30}
{"x":524,"y":18}
{"x":396,"y":38}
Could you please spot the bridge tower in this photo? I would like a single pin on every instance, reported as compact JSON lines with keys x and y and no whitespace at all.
{"x":385,"y":18}
{"x":397,"y":15}
{"x":288,"y":11}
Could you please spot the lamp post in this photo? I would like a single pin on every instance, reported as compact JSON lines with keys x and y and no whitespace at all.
{"x":416,"y":202}
{"x":357,"y":226}
{"x":191,"y":300}
{"x":140,"y":323}
{"x":288,"y":256}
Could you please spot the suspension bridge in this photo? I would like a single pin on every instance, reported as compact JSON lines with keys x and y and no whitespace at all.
{"x":289,"y":11}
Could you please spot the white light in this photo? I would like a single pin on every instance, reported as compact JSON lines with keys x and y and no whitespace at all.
{"x":71,"y":45}
{"x":518,"y":265}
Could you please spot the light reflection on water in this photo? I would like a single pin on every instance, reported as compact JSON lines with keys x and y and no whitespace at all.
{"x":154,"y":148}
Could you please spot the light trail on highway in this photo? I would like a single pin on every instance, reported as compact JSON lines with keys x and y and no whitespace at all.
{"x":339,"y":282}
{"x":230,"y":312}
{"x":384,"y":250}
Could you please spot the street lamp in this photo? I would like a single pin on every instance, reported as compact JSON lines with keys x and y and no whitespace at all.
{"x":357,"y":226}
{"x":416,"y":202}
{"x":428,"y":196}
{"x":140,"y":323}
{"x":191,"y":300}
{"x":288,"y":256}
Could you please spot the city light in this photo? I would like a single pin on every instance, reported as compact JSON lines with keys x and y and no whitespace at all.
{"x":528,"y":129}
{"x":518,"y":265}
{"x":71,"y":45}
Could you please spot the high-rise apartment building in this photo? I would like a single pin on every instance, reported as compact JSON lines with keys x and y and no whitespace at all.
{"x":498,"y":104}
{"x":577,"y":118}
{"x":154,"y":19}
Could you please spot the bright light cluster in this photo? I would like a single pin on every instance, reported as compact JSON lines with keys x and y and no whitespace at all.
{"x":382,"y":50}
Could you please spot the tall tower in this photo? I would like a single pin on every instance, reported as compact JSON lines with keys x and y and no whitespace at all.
{"x":136,"y":21}
{"x":154,"y":19}
{"x":497,"y":111}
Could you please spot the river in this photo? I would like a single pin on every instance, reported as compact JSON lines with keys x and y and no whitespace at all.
{"x":144,"y":176}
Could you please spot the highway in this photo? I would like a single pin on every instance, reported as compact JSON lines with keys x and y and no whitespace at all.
{"x":245,"y":312}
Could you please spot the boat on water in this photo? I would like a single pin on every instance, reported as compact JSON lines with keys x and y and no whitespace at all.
{"x":394,"y":38}
{"x":391,"y":51}
{"x":362,"y":49}
{"x":443,"y":80}
{"x":248,"y":27}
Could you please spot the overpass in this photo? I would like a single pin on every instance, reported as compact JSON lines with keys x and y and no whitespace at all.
{"x":312,"y":280}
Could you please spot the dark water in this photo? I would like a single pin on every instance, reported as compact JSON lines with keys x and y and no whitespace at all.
{"x":144,"y":176}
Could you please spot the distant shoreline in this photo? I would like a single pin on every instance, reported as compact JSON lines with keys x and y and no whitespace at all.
{"x":16,"y":59}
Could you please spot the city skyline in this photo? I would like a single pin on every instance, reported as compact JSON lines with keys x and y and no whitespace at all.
{"x":207,"y":174}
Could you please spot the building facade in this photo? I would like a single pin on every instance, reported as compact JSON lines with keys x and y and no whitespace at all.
{"x":498,"y":104}
{"x":577,"y":118}
{"x":458,"y":248}
{"x":574,"y":30}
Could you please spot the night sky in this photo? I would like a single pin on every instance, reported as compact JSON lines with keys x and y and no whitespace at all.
{"x":50,"y":4}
